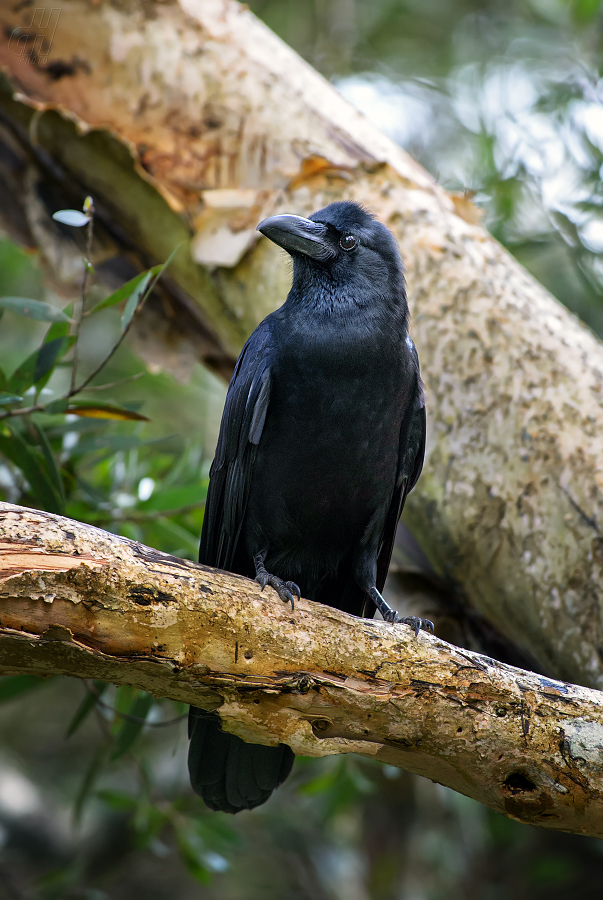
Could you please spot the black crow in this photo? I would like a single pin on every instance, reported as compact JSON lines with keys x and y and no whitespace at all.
{"x":322,"y":438}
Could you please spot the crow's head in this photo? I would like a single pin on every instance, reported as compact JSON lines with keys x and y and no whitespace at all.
{"x":340,"y":248}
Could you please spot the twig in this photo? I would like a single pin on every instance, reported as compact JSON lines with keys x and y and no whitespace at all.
{"x":136,"y":719}
{"x":113,"y":384}
{"x":121,"y":338}
{"x":40,"y":407}
{"x":81,"y":305}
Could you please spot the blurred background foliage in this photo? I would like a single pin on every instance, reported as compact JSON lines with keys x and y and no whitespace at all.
{"x":501,"y":101}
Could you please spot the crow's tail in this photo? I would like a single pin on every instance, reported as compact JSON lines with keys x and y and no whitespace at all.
{"x":227,"y":773}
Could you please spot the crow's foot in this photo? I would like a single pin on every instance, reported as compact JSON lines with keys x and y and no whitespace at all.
{"x":391,"y":616}
{"x":285,"y":589}
{"x":417,"y":624}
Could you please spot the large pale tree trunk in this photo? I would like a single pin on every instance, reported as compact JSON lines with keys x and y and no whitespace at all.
{"x":188,"y":121}
{"x":78,"y":601}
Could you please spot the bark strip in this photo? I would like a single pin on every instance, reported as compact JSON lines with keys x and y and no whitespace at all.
{"x":79,"y":601}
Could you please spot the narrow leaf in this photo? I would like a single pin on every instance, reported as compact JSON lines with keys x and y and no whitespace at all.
{"x":48,"y":356}
{"x":23,"y":377}
{"x":39,"y":365}
{"x":129,"y":730}
{"x":85,"y":707}
{"x":13,"y":685}
{"x":71,"y":217}
{"x":105,"y":411}
{"x":7,"y":399}
{"x":3,"y":381}
{"x":133,"y":300}
{"x":118,"y":801}
{"x":31,"y":462}
{"x":56,"y":407}
{"x":89,"y":780}
{"x":124,"y":291}
{"x":174,"y":498}
{"x":33,"y":309}
{"x":58,"y":330}
{"x":51,"y":463}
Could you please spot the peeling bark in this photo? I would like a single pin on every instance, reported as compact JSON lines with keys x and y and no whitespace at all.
{"x":188,"y":121}
{"x":79,"y":601}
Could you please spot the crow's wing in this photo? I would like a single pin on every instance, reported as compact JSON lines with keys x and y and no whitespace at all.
{"x":231,"y":471}
{"x":410,"y":463}
{"x":229,"y":774}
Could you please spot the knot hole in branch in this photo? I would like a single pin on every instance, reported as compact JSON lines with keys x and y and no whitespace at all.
{"x":517,"y":783}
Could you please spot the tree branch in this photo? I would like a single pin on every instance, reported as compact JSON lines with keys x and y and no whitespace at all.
{"x":79,"y":601}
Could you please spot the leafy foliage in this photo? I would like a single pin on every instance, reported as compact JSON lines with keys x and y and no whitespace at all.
{"x":65,"y":451}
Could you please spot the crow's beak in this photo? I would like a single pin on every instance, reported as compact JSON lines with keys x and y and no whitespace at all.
{"x":298,"y":235}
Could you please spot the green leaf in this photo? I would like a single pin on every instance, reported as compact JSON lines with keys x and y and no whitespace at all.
{"x":58,"y":330}
{"x":110,"y":443}
{"x":13,"y":685}
{"x":23,"y":377}
{"x":33,"y":309}
{"x":147,"y":822}
{"x":7,"y":399}
{"x":51,"y":463}
{"x":128,"y":730}
{"x":124,"y":291}
{"x":118,"y":801}
{"x":56,"y":407}
{"x":172,"y":537}
{"x":124,"y":698}
{"x":71,"y":217}
{"x":48,"y":356}
{"x":32,"y":463}
{"x":3,"y":381}
{"x":86,"y":706}
{"x":585,"y":10}
{"x":39,"y":365}
{"x":89,"y":780}
{"x":133,"y":300}
{"x":174,"y":498}
{"x":157,"y":272}
{"x":193,"y":851}
{"x":105,"y":411}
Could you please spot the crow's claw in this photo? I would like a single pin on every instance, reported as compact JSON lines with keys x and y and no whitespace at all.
{"x":294,"y":589}
{"x":262,"y":579}
{"x":417,"y":624}
{"x":285,"y":589}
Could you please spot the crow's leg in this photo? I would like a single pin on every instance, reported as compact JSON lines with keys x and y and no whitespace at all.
{"x":285,"y":589}
{"x":392,"y":616}
{"x":366,"y":576}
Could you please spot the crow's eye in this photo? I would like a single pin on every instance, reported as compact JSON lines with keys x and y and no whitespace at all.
{"x":348,"y":242}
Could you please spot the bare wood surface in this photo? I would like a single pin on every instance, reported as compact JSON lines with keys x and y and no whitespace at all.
{"x":79,"y":601}
{"x":188,"y":120}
